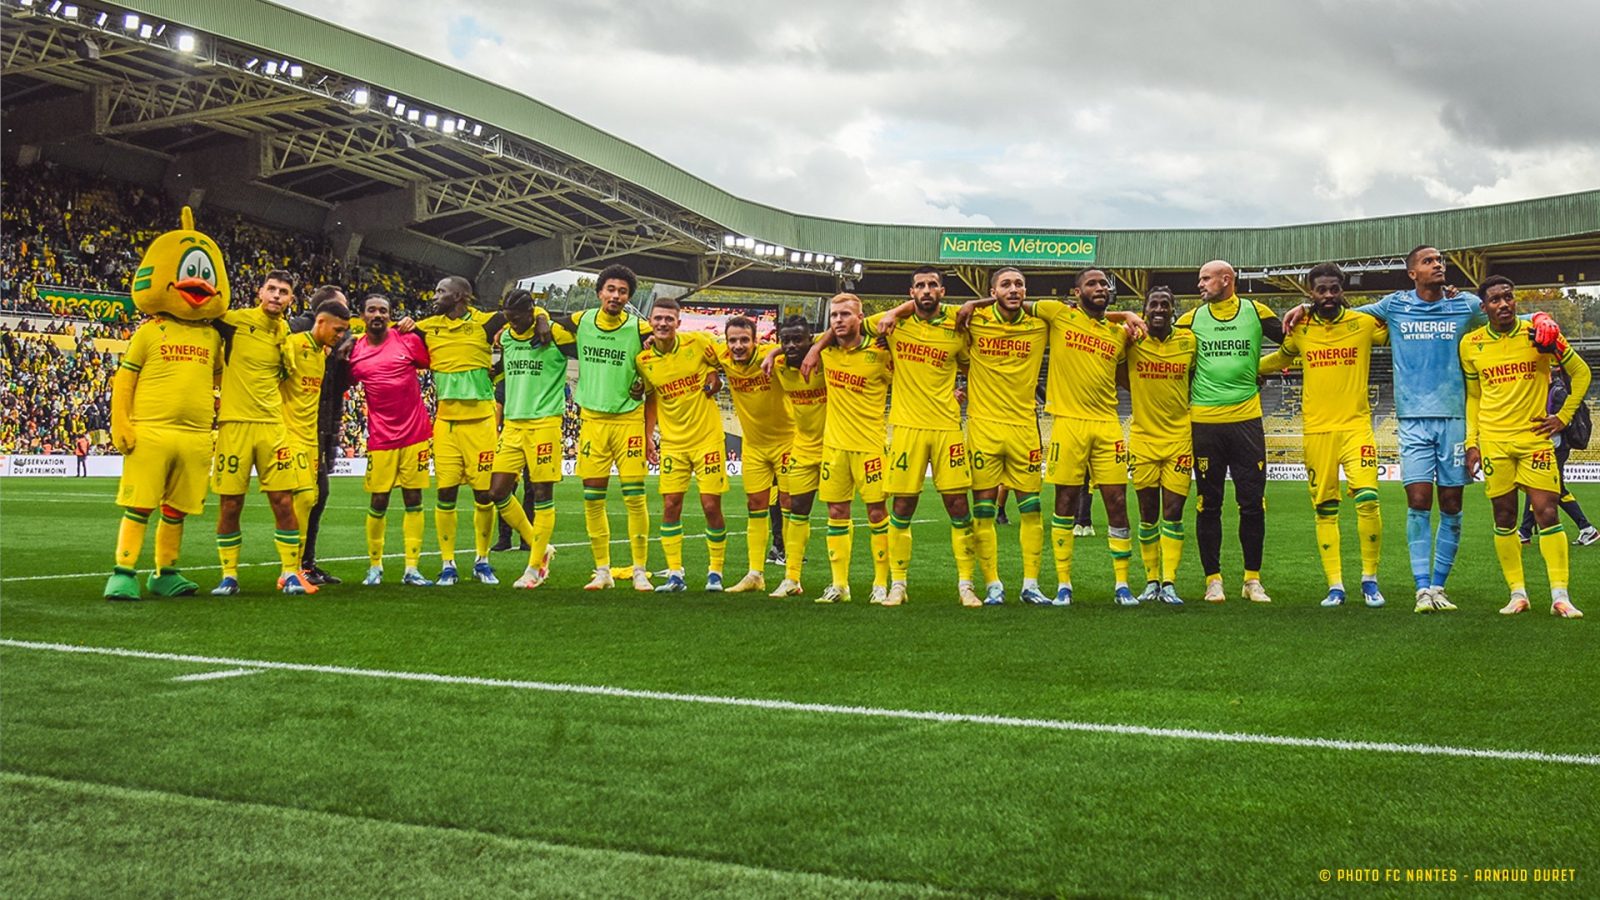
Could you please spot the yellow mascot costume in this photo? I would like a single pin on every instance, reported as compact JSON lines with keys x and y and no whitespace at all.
{"x":161,"y":404}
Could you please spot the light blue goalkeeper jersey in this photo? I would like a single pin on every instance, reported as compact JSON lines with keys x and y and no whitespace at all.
{"x":1423,"y":338}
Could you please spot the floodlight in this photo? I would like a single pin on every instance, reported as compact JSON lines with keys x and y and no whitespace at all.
{"x":130,"y":22}
{"x":272,"y":69}
{"x":807,"y":257}
{"x":391,"y":101}
{"x":794,"y":256}
{"x":359,"y":96}
{"x":186,"y":43}
{"x":100,"y":20}
{"x":838,"y":266}
{"x":477,"y":131}
{"x":728,"y":240}
{"x":295,"y":71}
{"x":413,"y":115}
{"x":70,"y":12}
{"x":856,"y":269}
{"x":400,"y":109}
{"x":145,"y":31}
{"x":449,"y":126}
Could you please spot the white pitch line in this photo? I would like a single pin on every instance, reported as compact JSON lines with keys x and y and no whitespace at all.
{"x":563,"y":546}
{"x":213,"y":676}
{"x":1185,"y":734}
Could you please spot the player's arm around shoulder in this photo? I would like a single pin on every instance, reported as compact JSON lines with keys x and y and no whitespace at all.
{"x":1271,"y":325}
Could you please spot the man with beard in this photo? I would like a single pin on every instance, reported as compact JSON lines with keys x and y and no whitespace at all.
{"x":1160,"y":444}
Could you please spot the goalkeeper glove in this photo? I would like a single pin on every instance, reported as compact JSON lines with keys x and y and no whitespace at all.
{"x":1546,"y":333}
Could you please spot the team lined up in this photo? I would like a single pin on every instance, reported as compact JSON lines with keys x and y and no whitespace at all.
{"x":812,"y":411}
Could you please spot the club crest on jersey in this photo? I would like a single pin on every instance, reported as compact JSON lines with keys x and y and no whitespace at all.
{"x":1202,"y":463}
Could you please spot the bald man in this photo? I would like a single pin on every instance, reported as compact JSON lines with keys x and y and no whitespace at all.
{"x":1225,"y":416}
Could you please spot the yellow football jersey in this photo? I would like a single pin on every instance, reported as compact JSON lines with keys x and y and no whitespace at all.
{"x":687,"y":418}
{"x":1512,"y":379}
{"x":304,"y":362}
{"x":459,"y":357}
{"x":758,"y":402}
{"x":1084,"y":355}
{"x":1336,"y":358}
{"x":254,"y":367}
{"x":177,"y":363}
{"x":1158,"y":380}
{"x":858,"y":380}
{"x":808,"y":405}
{"x":926,"y":356}
{"x":1003,"y":377}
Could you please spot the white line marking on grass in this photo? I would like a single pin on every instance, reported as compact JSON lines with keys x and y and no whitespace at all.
{"x":273,"y":562}
{"x":212,"y":676}
{"x":1184,"y":734}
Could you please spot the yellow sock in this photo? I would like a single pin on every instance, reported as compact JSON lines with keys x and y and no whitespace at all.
{"x":1030,"y":531}
{"x":303,"y":501}
{"x":1061,"y":545}
{"x":510,"y":510}
{"x":130,"y":538}
{"x":444,"y":523}
{"x":1328,"y":542}
{"x":1552,"y":545}
{"x":483,"y":526}
{"x":796,"y":534}
{"x":1171,"y":549}
{"x":1508,"y":547}
{"x":839,"y":534}
{"x":716,"y":548}
{"x":1369,"y":528}
{"x":169,"y":538}
{"x":1121,"y":545}
{"x":375,"y":535}
{"x":411,"y":525}
{"x":1250,"y":575}
{"x":757,"y":533}
{"x":899,"y":547}
{"x":1150,"y":550}
{"x":880,"y":551}
{"x":288,"y":544}
{"x":961,"y":546}
{"x":638,"y":524}
{"x":598,"y":526}
{"x":228,"y":553}
{"x":985,"y":542}
{"x":543,"y":525}
{"x":672,"y":544}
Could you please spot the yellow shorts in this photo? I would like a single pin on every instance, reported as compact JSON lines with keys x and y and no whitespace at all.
{"x":706,"y":464}
{"x":1004,"y":454}
{"x":600,"y":444}
{"x":1086,"y":450}
{"x":799,"y":473}
{"x":534,"y":443}
{"x":1522,"y":462}
{"x":847,"y":472}
{"x":402,"y":467}
{"x":911,"y":450}
{"x":261,"y":445}
{"x":1164,"y":464}
{"x":463,"y":452}
{"x":167,"y":467}
{"x":1356,"y":451}
{"x":305,"y":466}
{"x":762,"y":467}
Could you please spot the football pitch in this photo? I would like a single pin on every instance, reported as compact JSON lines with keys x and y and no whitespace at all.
{"x":473,"y":740}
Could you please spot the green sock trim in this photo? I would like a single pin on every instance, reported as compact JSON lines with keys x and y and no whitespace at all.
{"x":633,"y":489}
{"x":503,"y":503}
{"x":671,"y":529}
{"x":837,"y":530}
{"x":1366,"y":495}
{"x":171,"y":520}
{"x":897,"y":522}
{"x":132,"y":516}
{"x":1122,"y":554}
{"x":540,"y":505}
{"x":413,"y":509}
{"x":1553,"y":529}
{"x":442,"y":506}
{"x":594,"y":493}
{"x":1063,"y":521}
{"x":716,"y":535}
{"x":124,"y":570}
{"x":1149,"y":532}
{"x":1028,"y":503}
{"x":961,"y":522}
{"x":881,"y":527}
{"x":1328,"y":510}
{"x":1173,"y":529}
{"x":230,"y":540}
{"x":1503,"y":532}
{"x":983,"y":509}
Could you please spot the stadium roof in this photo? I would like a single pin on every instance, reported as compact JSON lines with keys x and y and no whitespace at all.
{"x":300,"y":122}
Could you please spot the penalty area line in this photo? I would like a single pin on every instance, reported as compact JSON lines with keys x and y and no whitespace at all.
{"x":1183,"y":734}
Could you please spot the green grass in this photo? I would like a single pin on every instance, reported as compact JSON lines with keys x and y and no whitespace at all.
{"x":119,"y":780}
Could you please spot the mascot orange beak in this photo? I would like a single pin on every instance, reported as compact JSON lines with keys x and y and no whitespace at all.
{"x":196,"y":291}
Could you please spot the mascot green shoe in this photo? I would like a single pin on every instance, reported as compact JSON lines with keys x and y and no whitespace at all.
{"x":123,"y":585}
{"x":170,"y":583}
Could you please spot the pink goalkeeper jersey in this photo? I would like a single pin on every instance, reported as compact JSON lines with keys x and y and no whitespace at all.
{"x":395,"y":415}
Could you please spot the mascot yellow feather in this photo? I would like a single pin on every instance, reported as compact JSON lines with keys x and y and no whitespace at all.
{"x":161,"y":404}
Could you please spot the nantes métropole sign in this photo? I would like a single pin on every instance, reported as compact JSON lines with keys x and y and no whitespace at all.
{"x":958,"y":246}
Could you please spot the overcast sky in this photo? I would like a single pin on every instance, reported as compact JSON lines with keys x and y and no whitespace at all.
{"x":1058,"y":114}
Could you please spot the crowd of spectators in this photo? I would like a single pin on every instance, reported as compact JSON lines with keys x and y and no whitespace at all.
{"x":65,"y":229}
{"x":51,"y":397}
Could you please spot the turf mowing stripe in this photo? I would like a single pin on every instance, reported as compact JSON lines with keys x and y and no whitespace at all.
{"x":273,"y":562}
{"x":1185,"y":734}
{"x":213,"y":676}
